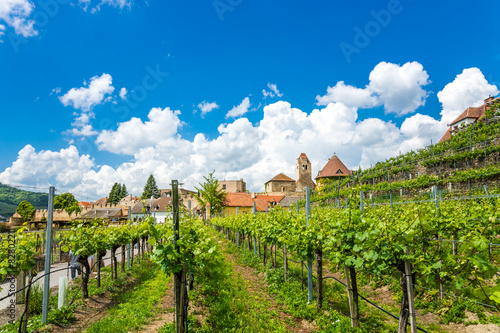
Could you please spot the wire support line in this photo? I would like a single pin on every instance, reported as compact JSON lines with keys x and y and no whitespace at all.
{"x":375,"y":305}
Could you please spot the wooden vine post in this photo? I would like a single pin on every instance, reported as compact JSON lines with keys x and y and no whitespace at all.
{"x":178,"y":277}
{"x":309,"y":261}
{"x":352,"y":293}
{"x":411,"y":296}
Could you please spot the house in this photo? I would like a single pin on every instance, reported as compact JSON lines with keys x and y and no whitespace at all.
{"x":333,"y":169}
{"x":142,"y":209}
{"x":469,"y":116}
{"x":187,"y":198}
{"x":288,"y":201}
{"x":107,"y":214}
{"x":232,"y":186}
{"x":83,"y":204}
{"x":284,"y":185}
{"x":280,"y":183}
{"x":242,"y":203}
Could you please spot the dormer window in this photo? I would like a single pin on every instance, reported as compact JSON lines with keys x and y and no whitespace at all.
{"x":339,"y":171}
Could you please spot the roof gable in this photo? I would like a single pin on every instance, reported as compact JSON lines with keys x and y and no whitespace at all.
{"x":281,"y":178}
{"x":334,"y":168}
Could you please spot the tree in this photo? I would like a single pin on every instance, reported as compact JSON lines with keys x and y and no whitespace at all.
{"x":67,"y":202}
{"x":208,"y":193}
{"x":151,"y":189}
{"x":123,"y":192}
{"x":118,"y":192}
{"x":114,"y":194}
{"x":26,"y":210}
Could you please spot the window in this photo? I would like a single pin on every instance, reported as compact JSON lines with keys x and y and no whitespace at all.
{"x":282,"y":188}
{"x":223,"y":186}
{"x":304,"y":167}
{"x":339,"y":171}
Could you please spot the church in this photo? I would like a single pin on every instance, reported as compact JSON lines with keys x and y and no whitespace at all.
{"x":284,"y":185}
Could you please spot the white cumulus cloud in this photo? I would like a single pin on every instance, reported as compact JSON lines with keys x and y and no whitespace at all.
{"x":87,"y":97}
{"x":135,"y":134}
{"x":123,"y":93}
{"x":273,"y":91}
{"x":469,"y":88}
{"x":239,"y":110}
{"x":16,"y":13}
{"x":206,"y":107}
{"x":397,"y":88}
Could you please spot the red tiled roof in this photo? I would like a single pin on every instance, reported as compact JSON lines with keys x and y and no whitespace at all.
{"x":446,"y":135}
{"x":303,"y":155}
{"x":84,"y":203}
{"x":102,"y":201}
{"x":334,"y":168}
{"x":470,"y":112}
{"x":245,"y":200}
{"x":282,"y":178}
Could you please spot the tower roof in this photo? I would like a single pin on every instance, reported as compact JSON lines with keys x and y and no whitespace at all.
{"x":334,"y":168}
{"x":303,"y":155}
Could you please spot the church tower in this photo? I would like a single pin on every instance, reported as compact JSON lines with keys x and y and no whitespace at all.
{"x":303,"y":173}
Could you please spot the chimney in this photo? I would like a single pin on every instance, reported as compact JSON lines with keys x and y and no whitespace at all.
{"x":253,"y":195}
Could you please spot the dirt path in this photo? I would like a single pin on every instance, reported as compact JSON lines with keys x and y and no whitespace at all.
{"x":166,"y":311}
{"x":257,"y":289}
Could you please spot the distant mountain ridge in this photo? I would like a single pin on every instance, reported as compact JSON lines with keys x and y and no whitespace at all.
{"x":10,"y":197}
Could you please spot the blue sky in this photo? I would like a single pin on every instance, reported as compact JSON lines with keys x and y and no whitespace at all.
{"x":362,"y":79}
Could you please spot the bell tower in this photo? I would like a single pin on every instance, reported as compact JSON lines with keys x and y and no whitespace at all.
{"x":303,"y":172}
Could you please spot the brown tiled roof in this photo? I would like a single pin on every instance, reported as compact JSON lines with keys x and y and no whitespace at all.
{"x":161,"y":204}
{"x":471,"y":112}
{"x":303,"y":155}
{"x":446,"y":135}
{"x":245,"y":200}
{"x":101,"y":201}
{"x":334,"y":168}
{"x":287,"y":201}
{"x":281,"y":178}
{"x":103,"y":213}
{"x":137,"y":209}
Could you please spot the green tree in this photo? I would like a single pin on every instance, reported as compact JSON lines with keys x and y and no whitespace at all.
{"x":208,"y":193}
{"x":26,"y":210}
{"x":123,"y":192}
{"x":67,"y":202}
{"x":151,"y":189}
{"x":114,"y":194}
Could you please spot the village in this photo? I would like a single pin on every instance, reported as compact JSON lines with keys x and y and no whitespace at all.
{"x":281,"y":190}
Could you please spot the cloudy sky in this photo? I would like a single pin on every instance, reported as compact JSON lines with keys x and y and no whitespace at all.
{"x":94,"y":92}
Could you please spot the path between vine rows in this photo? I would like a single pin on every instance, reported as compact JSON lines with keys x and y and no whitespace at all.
{"x":257,"y":288}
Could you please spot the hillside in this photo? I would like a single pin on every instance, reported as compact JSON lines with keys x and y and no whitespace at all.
{"x":10,"y":198}
{"x":467,"y":163}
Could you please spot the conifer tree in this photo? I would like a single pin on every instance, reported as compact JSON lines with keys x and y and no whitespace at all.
{"x":151,"y":189}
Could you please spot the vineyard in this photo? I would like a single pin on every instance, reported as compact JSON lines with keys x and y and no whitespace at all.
{"x":443,"y":250}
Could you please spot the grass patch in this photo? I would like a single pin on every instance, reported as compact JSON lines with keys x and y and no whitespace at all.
{"x":136,"y":307}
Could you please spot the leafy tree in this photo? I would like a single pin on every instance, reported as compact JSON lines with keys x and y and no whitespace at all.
{"x":26,"y":210}
{"x":67,"y":202}
{"x":151,"y":189}
{"x":208,"y":193}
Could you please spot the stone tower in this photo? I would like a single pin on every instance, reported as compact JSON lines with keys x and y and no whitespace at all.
{"x":303,"y":173}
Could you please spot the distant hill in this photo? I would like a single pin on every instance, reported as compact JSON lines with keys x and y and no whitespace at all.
{"x":10,"y":198}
